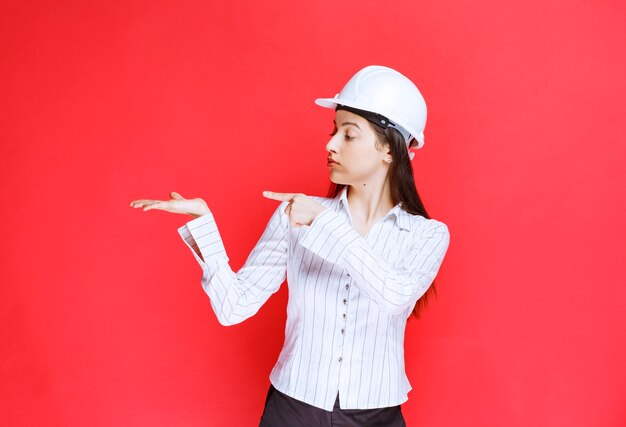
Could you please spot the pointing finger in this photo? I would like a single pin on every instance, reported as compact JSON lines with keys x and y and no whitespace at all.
{"x":278,"y":196}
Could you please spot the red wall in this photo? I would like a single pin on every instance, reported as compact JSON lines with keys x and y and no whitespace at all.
{"x":104,"y":322}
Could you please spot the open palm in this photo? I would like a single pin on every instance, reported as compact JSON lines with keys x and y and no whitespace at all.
{"x":177,"y":204}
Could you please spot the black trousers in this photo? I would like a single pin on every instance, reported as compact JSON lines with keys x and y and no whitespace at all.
{"x":285,"y":411}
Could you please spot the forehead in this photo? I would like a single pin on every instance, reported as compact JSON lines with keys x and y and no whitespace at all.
{"x":347,"y":118}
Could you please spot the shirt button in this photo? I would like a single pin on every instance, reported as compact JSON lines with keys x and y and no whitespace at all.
{"x":345,"y":300}
{"x":342,"y":331}
{"x":347,"y":285}
{"x":340,"y":359}
{"x":348,"y":274}
{"x":344,"y":315}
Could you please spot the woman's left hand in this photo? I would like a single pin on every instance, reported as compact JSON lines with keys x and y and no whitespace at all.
{"x":301,"y":210}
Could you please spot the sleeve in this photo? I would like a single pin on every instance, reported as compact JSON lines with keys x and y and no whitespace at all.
{"x":237,"y":296}
{"x":394,"y":287}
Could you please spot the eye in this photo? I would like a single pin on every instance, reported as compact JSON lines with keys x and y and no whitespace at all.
{"x":348,"y":138}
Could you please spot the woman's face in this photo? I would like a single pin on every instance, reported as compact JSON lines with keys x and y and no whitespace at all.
{"x":353,"y":147}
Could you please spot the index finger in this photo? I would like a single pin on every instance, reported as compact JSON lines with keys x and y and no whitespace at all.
{"x":278,"y":196}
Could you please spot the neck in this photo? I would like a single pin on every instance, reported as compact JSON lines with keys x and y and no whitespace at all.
{"x":369,"y":201}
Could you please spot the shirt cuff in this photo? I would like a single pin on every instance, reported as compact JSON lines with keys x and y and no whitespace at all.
{"x":329,"y":235}
{"x":203,"y":237}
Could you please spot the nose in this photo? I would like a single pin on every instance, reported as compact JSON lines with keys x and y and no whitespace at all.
{"x":331,"y":145}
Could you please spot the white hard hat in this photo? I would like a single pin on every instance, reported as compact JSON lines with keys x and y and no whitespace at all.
{"x":386,"y":92}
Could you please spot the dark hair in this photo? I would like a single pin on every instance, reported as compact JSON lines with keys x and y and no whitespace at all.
{"x":402,"y":187}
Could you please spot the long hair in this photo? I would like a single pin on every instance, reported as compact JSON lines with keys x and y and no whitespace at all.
{"x":402,"y":187}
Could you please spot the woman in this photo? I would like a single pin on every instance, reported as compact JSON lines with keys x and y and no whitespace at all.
{"x":358,"y":263}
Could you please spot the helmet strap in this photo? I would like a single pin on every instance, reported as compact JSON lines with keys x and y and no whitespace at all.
{"x":377,"y":119}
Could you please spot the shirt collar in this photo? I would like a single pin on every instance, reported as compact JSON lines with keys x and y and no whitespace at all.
{"x":402,"y":217}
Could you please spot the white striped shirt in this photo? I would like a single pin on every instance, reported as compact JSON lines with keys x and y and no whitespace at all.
{"x":349,"y":297}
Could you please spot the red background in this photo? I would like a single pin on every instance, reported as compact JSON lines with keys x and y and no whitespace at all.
{"x":104,"y":321}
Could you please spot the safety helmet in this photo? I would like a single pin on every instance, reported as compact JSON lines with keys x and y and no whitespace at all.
{"x":393,"y":98}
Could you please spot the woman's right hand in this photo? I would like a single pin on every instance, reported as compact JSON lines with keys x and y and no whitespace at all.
{"x":177,"y":204}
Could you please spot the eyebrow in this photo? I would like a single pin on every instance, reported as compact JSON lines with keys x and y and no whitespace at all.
{"x":348,"y":123}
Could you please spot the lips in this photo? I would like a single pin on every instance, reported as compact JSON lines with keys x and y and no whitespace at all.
{"x":331,"y":161}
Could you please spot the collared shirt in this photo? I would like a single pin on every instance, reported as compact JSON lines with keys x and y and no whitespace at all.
{"x":349,"y":297}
